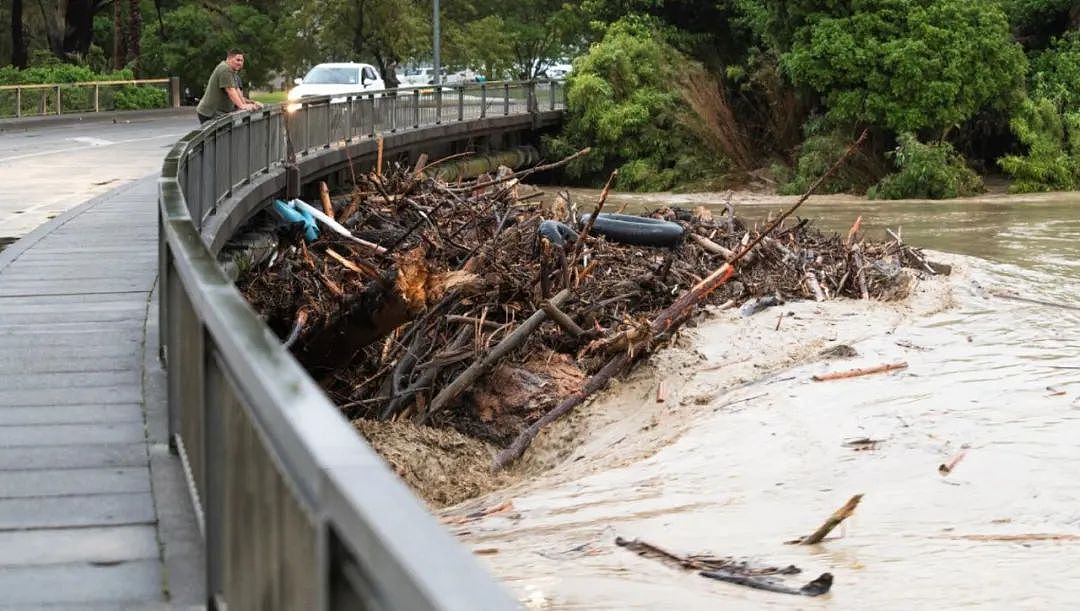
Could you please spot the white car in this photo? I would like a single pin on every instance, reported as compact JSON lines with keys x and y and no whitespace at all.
{"x":558,"y":72}
{"x":417,"y":77}
{"x":339,"y":78}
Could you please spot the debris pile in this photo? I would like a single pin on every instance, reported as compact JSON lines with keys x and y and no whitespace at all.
{"x":480,"y":305}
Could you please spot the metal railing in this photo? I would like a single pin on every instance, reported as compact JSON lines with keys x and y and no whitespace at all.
{"x":297,"y":511}
{"x":89,"y":96}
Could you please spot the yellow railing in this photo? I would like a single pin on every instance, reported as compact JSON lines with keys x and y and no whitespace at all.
{"x":86,"y":96}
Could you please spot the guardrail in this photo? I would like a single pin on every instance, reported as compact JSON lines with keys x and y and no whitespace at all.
{"x":88,"y":96}
{"x":297,"y":511}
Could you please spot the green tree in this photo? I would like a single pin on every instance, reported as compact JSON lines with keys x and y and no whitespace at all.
{"x":622,"y":102}
{"x":920,"y":66}
{"x":189,"y":41}
{"x":384,"y":32}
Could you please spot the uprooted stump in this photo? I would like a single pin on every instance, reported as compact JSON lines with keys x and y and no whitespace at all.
{"x":460,"y":268}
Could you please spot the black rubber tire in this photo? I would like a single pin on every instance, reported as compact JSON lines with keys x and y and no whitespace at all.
{"x":636,"y":230}
{"x":557,"y":233}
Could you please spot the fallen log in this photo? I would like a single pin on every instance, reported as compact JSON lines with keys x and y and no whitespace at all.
{"x":853,"y":373}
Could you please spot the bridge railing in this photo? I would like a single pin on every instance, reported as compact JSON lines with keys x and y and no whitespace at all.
{"x":80,"y":97}
{"x":297,"y":511}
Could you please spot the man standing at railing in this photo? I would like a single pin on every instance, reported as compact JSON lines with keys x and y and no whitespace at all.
{"x":223,"y":94}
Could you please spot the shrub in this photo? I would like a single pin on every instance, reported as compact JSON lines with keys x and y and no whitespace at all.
{"x":137,"y":98}
{"x":927,"y":171}
{"x":1053,"y":142}
{"x":821,"y":149}
{"x":1049,"y":124}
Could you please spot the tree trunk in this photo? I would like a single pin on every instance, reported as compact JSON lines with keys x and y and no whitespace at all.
{"x":79,"y":28}
{"x":134,"y":35}
{"x":18,"y":38}
{"x":117,"y":55}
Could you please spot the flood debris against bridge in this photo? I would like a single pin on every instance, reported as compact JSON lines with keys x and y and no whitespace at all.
{"x":489,"y":308}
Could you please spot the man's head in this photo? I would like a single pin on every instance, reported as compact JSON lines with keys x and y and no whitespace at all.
{"x":235,"y":59}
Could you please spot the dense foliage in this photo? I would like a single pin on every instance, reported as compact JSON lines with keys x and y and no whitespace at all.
{"x":622,"y":104}
{"x":668,"y":91}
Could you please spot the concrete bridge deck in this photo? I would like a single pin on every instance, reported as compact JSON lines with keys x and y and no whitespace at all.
{"x":94,"y":511}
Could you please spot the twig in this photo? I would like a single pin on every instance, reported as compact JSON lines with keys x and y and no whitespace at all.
{"x":947,"y":467}
{"x":580,"y":243}
{"x":834,"y":520}
{"x":324,"y":194}
{"x":853,"y":373}
{"x":378,"y":155}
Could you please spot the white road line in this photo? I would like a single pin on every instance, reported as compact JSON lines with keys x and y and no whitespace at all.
{"x":91,"y":141}
{"x":83,"y":148}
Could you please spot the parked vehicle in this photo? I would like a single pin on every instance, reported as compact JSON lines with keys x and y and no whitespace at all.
{"x":417,"y":77}
{"x":558,"y":72}
{"x":337,"y":78}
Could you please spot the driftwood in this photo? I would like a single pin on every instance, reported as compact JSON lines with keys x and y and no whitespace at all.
{"x":853,"y":373}
{"x":666,"y":321}
{"x":947,"y":467}
{"x":834,"y":520}
{"x":730,"y":570}
{"x":483,"y":365}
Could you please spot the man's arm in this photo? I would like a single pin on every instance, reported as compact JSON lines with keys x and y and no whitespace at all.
{"x":240,"y":101}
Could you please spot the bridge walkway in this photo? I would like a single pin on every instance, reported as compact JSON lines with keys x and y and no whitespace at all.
{"x":94,"y":510}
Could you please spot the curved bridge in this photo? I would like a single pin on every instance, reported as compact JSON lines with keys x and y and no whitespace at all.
{"x":296,"y":510}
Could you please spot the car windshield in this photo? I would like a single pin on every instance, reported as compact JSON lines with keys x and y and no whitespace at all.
{"x":327,"y":75}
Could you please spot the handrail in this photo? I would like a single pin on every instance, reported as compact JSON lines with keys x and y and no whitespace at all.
{"x":147,"y":81}
{"x":298,"y":512}
{"x":49,"y":98}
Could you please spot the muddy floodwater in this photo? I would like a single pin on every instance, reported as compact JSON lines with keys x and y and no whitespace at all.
{"x":992,"y":377}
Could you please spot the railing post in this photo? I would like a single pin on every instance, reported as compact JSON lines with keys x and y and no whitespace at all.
{"x":213,"y":463}
{"x":483,"y":100}
{"x":97,"y":98}
{"x":438,"y":104}
{"x":374,"y":119}
{"x":416,"y":108}
{"x":551,"y":86}
{"x":59,"y":109}
{"x":506,"y":98}
{"x":18,"y":101}
{"x":531,"y":105}
{"x":461,"y":103}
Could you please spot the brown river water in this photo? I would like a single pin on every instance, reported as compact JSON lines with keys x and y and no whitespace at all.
{"x":997,"y":379}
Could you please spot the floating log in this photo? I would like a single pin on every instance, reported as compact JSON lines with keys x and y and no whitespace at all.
{"x":834,"y":520}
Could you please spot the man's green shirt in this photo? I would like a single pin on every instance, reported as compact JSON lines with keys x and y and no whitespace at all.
{"x":215,"y":101}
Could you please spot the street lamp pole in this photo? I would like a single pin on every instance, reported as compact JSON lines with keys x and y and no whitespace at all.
{"x":437,"y":79}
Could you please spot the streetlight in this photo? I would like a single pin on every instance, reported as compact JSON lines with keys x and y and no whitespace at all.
{"x":435,"y":20}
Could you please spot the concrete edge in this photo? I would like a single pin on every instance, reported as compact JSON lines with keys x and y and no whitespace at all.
{"x":26,"y":242}
{"x":113,"y":116}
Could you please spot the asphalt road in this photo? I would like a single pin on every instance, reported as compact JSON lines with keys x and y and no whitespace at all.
{"x":46,"y":168}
